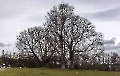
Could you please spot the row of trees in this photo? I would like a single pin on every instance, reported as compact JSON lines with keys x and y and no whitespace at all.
{"x":8,"y":60}
{"x":105,"y":62}
{"x":64,"y":38}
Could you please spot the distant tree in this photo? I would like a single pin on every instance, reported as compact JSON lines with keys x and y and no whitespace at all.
{"x":114,"y":61}
{"x":114,"y":58}
{"x":70,"y":34}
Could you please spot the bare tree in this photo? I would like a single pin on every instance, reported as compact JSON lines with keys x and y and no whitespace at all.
{"x":27,"y":41}
{"x":64,"y":36}
{"x":32,"y":42}
{"x":71,"y":34}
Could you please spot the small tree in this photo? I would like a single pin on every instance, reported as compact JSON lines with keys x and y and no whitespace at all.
{"x":31,"y":43}
{"x":27,"y":41}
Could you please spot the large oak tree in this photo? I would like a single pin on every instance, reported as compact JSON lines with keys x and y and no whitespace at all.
{"x":64,"y":35}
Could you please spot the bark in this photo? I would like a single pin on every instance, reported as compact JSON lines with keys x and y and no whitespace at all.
{"x":62,"y":55}
{"x":71,"y":60}
{"x":37,"y":58}
{"x":71,"y":57}
{"x":63,"y":66}
{"x":71,"y":51}
{"x":62,"y":44}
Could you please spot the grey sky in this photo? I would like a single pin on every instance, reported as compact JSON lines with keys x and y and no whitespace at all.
{"x":107,"y":15}
{"x":111,"y":41}
{"x":3,"y":45}
{"x":18,"y":15}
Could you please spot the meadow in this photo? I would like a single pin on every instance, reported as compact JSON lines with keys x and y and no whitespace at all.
{"x":54,"y":72}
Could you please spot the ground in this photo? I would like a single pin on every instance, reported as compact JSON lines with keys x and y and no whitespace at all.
{"x":1,"y":69}
{"x":54,"y":72}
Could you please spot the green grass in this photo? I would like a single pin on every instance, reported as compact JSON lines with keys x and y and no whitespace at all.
{"x":54,"y":72}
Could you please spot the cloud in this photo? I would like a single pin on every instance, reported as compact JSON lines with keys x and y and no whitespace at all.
{"x":107,"y":15}
{"x":112,"y":47}
{"x":4,"y":45}
{"x":100,"y":5}
{"x":36,"y":18}
{"x":118,"y":51}
{"x":113,"y":14}
{"x":111,"y":41}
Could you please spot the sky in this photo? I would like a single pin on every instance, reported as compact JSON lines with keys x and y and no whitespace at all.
{"x":18,"y":15}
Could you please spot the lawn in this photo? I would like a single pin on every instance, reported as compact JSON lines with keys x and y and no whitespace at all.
{"x":54,"y":72}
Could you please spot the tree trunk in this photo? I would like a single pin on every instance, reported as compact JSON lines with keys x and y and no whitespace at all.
{"x":62,"y":44}
{"x":37,"y":58}
{"x":71,"y":60}
{"x":71,"y":66}
{"x":63,"y":59}
{"x":71,"y":52}
{"x":63,"y":66}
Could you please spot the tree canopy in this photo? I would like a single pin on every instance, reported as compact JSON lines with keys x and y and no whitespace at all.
{"x":63,"y":38}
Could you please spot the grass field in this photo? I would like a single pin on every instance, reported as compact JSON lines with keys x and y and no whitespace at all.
{"x":54,"y":72}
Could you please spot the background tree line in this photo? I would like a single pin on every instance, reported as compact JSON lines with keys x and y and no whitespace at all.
{"x":106,"y":62}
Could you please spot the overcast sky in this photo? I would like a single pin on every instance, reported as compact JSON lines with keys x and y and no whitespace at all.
{"x":18,"y":15}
